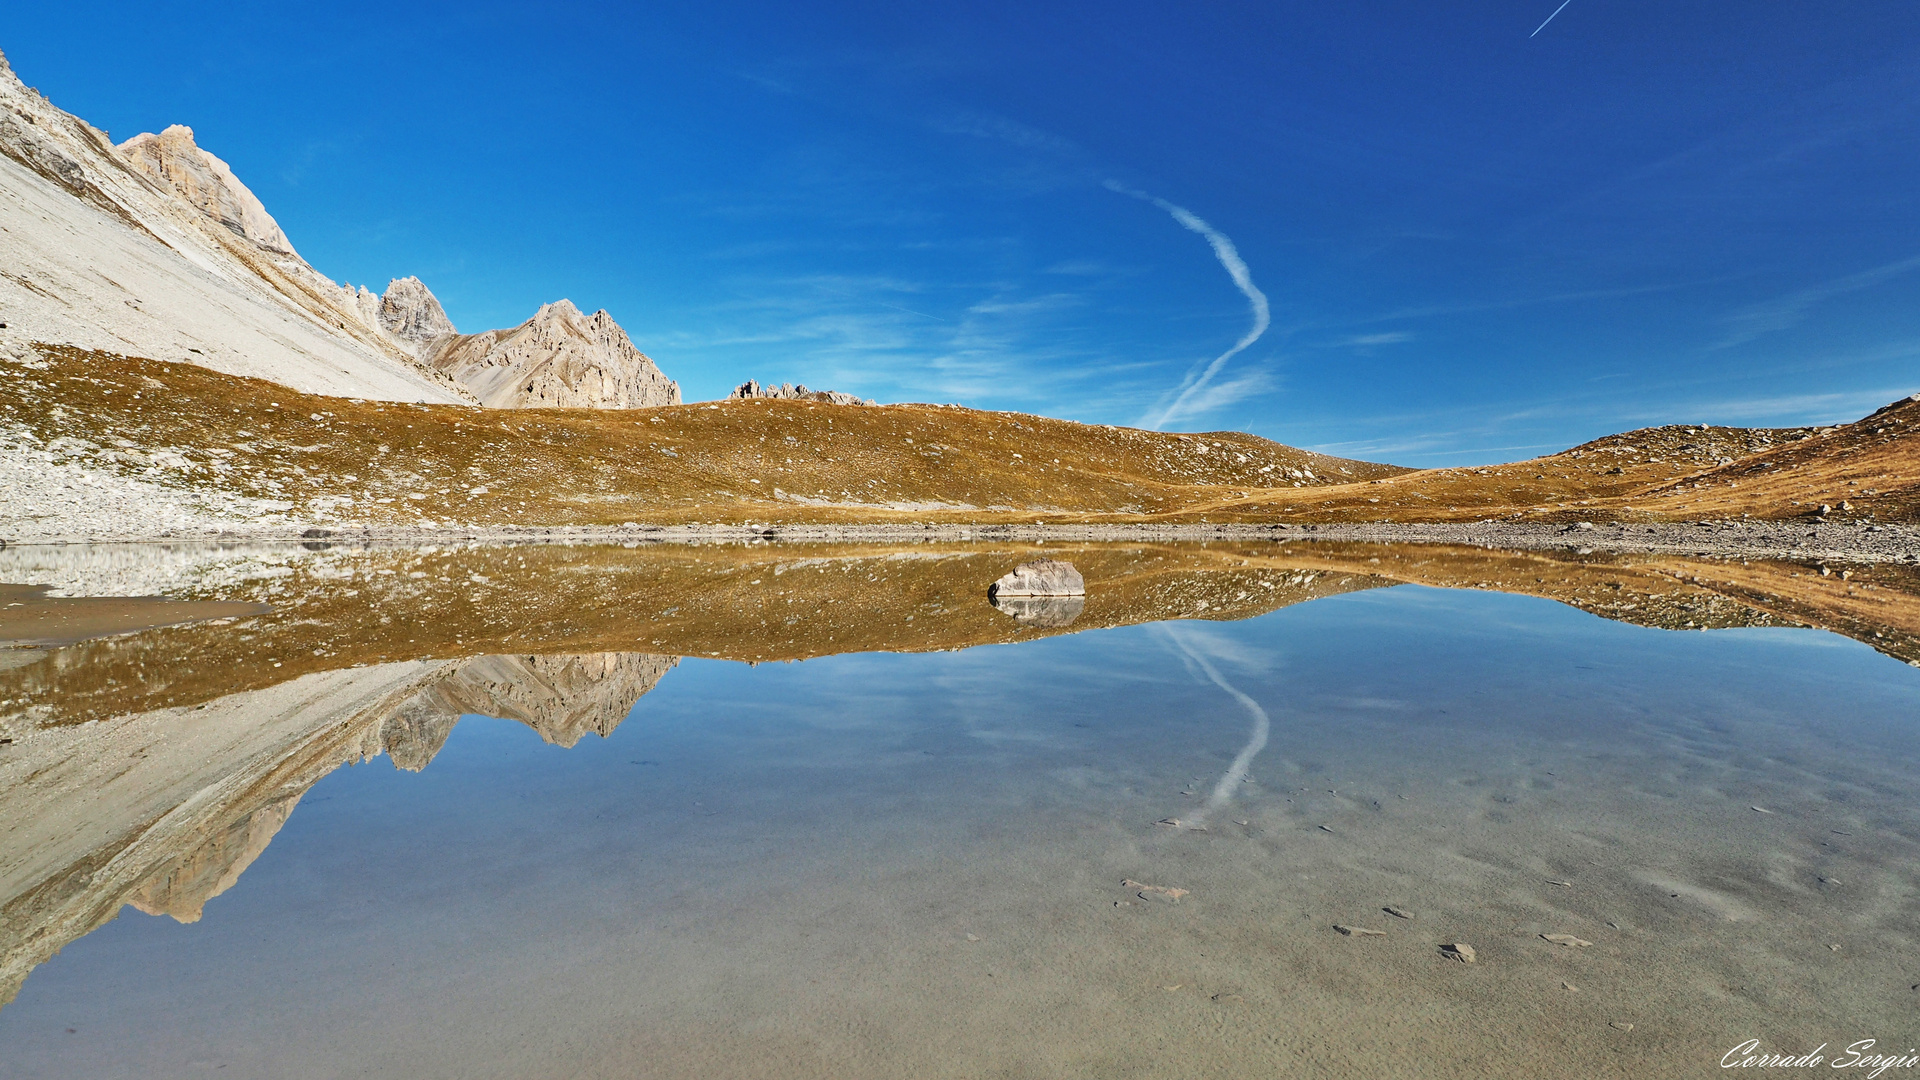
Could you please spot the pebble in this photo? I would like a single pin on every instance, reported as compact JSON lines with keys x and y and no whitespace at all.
{"x":1459,"y":950}
{"x":1150,"y":892}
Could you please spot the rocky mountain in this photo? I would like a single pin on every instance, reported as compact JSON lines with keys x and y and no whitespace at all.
{"x":409,"y":313}
{"x":172,"y":159}
{"x":154,"y":248}
{"x":559,"y":359}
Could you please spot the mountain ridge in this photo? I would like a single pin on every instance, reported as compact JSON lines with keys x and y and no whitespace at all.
{"x":154,"y":247}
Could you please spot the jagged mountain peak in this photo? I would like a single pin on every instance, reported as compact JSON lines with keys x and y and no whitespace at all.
{"x":173,"y":159}
{"x":155,"y":249}
{"x":560,"y":358}
{"x":412,"y":314}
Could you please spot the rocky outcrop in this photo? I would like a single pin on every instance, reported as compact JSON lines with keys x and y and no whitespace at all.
{"x":750,"y":389}
{"x":410,"y":314}
{"x":172,"y":159}
{"x":1042,"y":577}
{"x":559,"y":359}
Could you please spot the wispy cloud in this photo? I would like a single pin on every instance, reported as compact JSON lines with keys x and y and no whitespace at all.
{"x":1789,"y":310}
{"x":1195,"y":384}
{"x":1842,"y":407}
{"x":1473,"y":307}
{"x":987,"y":344}
{"x":1001,"y":129}
{"x":1550,"y":18}
{"x":1365,"y":341}
{"x":1205,"y":399}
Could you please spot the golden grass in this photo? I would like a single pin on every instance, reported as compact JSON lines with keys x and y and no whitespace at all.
{"x":352,"y":463}
{"x":378,"y":463}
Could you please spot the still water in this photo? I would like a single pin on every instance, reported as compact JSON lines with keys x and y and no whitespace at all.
{"x":1117,"y":847}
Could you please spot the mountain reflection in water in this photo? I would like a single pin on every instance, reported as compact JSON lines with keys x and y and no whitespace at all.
{"x":151,"y":769}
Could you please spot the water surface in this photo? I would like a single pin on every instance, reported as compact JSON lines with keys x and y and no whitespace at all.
{"x":955,"y":863}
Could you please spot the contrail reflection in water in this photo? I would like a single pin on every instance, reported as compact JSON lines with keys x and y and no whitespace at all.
{"x":1236,"y":773}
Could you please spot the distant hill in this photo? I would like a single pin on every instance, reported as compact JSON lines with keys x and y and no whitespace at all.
{"x":1865,"y":470}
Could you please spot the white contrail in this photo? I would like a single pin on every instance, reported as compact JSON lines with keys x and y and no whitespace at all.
{"x":1236,"y":268}
{"x":1556,"y":11}
{"x":1237,"y":772}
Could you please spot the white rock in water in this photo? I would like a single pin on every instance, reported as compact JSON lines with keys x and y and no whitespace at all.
{"x":1046,"y":577}
{"x":1050,"y":611}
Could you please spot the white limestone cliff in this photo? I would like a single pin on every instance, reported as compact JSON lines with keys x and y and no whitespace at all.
{"x":171,"y":158}
{"x":158,"y":251}
{"x":155,"y":248}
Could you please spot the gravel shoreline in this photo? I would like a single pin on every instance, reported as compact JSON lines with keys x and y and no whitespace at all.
{"x":1851,"y":542}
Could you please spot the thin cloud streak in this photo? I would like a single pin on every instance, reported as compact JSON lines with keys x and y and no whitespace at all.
{"x":1550,"y":18}
{"x":1236,"y":267}
{"x":1789,"y":310}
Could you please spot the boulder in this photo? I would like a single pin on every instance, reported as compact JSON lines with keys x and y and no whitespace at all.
{"x":1044,"y":577}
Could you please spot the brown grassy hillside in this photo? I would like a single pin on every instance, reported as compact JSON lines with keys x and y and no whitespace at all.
{"x":1866,"y":470}
{"x":349,"y":463}
{"x":379,"y":463}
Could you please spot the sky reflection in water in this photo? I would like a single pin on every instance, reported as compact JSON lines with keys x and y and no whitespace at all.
{"x":879,"y":864}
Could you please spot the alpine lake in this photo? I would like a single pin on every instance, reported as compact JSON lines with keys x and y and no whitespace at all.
{"x":813,"y":810}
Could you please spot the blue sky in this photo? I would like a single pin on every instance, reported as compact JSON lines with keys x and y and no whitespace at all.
{"x":1474,"y":245}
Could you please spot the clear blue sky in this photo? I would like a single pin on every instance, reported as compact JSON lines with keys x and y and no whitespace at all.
{"x":1475,"y":245}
